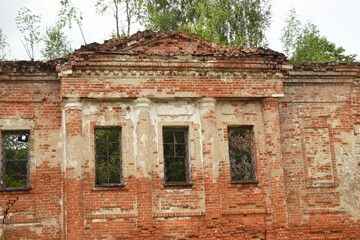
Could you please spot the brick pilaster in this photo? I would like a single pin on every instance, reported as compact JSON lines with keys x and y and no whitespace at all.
{"x":143,"y":168}
{"x":278,"y":224}
{"x":211,"y":172}
{"x":74,"y":172}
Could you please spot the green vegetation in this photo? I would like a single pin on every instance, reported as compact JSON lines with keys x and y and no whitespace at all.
{"x":131,"y":9}
{"x":29,"y":24}
{"x":229,"y":22}
{"x":56,"y":43}
{"x":3,"y":46}
{"x":69,"y":13}
{"x":305,"y":44}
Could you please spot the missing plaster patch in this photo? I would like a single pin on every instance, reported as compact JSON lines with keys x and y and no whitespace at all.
{"x":174,"y":109}
{"x":349,"y":180}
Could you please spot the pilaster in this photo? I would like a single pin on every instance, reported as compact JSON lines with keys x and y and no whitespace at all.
{"x":143,"y":167}
{"x":278,"y":223}
{"x":210,"y":163}
{"x":74,"y":169}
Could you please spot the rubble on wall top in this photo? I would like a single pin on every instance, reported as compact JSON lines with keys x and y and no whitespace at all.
{"x":167,"y":42}
{"x":146,"y":42}
{"x":27,"y":67}
{"x":326,"y":67}
{"x":164,"y":43}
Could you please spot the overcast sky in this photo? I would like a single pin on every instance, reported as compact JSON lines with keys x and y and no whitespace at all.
{"x":338,"y":20}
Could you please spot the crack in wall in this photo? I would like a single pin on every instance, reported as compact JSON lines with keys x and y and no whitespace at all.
{"x":10,"y":204}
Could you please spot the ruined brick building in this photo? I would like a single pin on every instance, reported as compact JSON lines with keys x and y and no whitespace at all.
{"x":165,"y":136}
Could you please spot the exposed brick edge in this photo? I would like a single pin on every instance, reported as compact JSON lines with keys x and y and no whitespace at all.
{"x":331,"y":80}
{"x":246,"y":211}
{"x":110,"y":215}
{"x":327,"y":67}
{"x":22,"y":220}
{"x":323,"y":210}
{"x":179,"y":214}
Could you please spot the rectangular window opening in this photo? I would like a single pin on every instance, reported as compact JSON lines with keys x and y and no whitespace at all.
{"x":241,"y":153}
{"x":108,"y":159}
{"x":176,"y":156}
{"x":15,"y":155}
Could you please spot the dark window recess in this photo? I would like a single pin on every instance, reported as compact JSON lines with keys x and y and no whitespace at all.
{"x":108,"y":162}
{"x":175,"y":142}
{"x":242,"y":167}
{"x":15,"y":156}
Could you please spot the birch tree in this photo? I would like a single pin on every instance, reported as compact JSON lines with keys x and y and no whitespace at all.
{"x":29,"y":24}
{"x":69,"y":13}
{"x":304,"y":43}
{"x":56,"y":43}
{"x":3,"y":46}
{"x":116,"y":7}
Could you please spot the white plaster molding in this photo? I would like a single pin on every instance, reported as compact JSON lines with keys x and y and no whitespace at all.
{"x":66,"y":72}
{"x":73,"y":105}
{"x":142,"y":104}
{"x":280,"y":95}
{"x":206,"y":104}
{"x":286,"y":67}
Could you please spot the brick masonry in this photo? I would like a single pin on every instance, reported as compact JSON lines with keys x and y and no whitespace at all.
{"x":306,"y":137}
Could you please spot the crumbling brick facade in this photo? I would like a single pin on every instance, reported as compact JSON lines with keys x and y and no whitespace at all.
{"x":302,"y":125}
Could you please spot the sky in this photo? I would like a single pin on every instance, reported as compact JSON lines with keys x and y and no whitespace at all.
{"x":337,"y":20}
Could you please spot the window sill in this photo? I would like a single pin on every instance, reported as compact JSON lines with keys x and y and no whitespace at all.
{"x":245,"y":182}
{"x":16,"y":189}
{"x":179,"y":184}
{"x":109,"y":187}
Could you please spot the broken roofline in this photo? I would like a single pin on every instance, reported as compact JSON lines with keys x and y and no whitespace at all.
{"x":166,"y":44}
{"x":150,"y":43}
{"x":176,"y":42}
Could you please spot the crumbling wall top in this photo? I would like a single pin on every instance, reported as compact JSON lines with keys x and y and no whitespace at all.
{"x":27,"y":67}
{"x":173,"y":42}
{"x":327,"y":67}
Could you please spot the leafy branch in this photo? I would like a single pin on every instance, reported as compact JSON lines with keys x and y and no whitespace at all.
{"x":29,"y":24}
{"x":69,"y":13}
{"x":305,"y":44}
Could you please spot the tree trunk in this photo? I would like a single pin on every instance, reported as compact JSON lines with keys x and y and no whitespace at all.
{"x":128,"y":17}
{"x":82,"y":34}
{"x":78,"y":22}
{"x":117,"y":18}
{"x":245,"y":24}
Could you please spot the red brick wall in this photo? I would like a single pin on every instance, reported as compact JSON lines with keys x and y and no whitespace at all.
{"x":34,"y":106}
{"x":297,"y":197}
{"x":319,"y":150}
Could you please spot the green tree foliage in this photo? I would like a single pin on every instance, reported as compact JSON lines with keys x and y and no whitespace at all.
{"x":290,"y":33}
{"x":29,"y":24}
{"x":3,"y":46}
{"x":230,"y":22}
{"x":56,"y":43}
{"x":208,"y":14}
{"x":253,"y":16}
{"x":168,"y":14}
{"x":305,"y":44}
{"x":69,"y":13}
